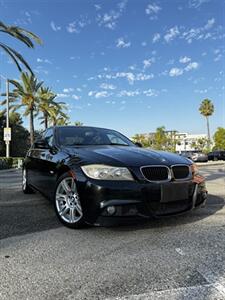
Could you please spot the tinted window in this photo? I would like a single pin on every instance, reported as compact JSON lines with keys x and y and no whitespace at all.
{"x":75,"y":136}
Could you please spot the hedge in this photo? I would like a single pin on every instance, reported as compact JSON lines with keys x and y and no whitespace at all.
{"x":11,"y":162}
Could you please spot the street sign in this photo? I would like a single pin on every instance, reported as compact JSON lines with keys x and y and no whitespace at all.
{"x":7,"y":134}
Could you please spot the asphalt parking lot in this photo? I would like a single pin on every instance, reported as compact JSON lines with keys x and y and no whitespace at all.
{"x":180,"y":257}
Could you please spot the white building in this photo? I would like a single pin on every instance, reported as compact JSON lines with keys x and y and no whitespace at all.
{"x":185,"y":141}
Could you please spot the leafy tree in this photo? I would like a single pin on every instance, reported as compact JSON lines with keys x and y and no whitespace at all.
{"x":78,"y":123}
{"x":207,"y":109}
{"x":144,"y":139}
{"x":46,"y":104}
{"x":160,"y":138}
{"x":219,"y":139}
{"x":25,"y":95}
{"x":201,"y":144}
{"x":19,"y":133}
{"x":22,"y":35}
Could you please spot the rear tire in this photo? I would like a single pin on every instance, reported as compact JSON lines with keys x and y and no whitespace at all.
{"x":25,"y":186}
{"x":67,"y":203}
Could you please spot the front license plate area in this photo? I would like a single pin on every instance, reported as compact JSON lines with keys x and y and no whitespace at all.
{"x":171,"y":192}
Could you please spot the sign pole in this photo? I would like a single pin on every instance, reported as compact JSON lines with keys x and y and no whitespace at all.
{"x":7,"y":116}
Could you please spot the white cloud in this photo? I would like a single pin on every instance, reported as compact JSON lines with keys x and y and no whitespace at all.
{"x":196,"y":3}
{"x":209,"y":24}
{"x":125,"y":93}
{"x":97,"y":7}
{"x":71,"y":28}
{"x":179,"y":71}
{"x":62,"y":95}
{"x":110,"y":19}
{"x":68,"y":90}
{"x":171,"y":34}
{"x":184,"y":59}
{"x":107,"y":86}
{"x":75,"y":97}
{"x":143,"y":77}
{"x":152,"y":10}
{"x":156,"y":37}
{"x":130,"y":76}
{"x":47,"y":61}
{"x":54,"y":26}
{"x":192,"y":66}
{"x":120,"y":43}
{"x":218,"y":57}
{"x":201,"y":91}
{"x":150,"y":93}
{"x":148,"y":62}
{"x":175,"y":72}
{"x":101,"y":94}
{"x":199,"y":33}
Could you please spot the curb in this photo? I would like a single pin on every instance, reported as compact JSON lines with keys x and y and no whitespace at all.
{"x":209,"y":164}
{"x":9,"y":170}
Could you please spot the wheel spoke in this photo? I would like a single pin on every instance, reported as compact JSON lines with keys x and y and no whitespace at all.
{"x":72,"y":215}
{"x":79,"y":209}
{"x":63,"y":210}
{"x":73,"y":186}
{"x":61,"y":197}
{"x":65,"y":186}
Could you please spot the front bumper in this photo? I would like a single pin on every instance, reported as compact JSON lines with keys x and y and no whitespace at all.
{"x":134,"y":200}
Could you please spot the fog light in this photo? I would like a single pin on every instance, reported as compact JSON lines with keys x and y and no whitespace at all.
{"x":111,"y":210}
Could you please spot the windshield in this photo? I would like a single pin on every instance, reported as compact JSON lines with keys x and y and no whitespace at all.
{"x":83,"y":136}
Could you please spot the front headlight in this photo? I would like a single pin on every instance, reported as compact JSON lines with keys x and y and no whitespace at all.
{"x":103,"y":172}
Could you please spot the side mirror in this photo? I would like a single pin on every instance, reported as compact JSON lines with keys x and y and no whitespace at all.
{"x":41,"y":144}
{"x":138,"y":144}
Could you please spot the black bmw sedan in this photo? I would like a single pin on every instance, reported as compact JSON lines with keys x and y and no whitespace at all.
{"x":95,"y":175}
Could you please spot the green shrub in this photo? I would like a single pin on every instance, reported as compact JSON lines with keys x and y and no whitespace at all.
{"x":11,"y":162}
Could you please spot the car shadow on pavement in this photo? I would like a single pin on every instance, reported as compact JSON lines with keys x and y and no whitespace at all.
{"x":22,"y":214}
{"x":213,"y":205}
{"x":33,"y":213}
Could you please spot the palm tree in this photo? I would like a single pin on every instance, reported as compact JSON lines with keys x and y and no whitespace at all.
{"x":57,"y":116}
{"x":47,"y":105}
{"x":26,"y":93}
{"x":22,"y":35}
{"x":207,"y":109}
{"x":78,"y":123}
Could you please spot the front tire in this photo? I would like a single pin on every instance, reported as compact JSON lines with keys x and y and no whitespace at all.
{"x":25,"y":186}
{"x":67,"y":203}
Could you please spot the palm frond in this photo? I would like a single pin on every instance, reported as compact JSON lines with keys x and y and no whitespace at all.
{"x":15,"y":57}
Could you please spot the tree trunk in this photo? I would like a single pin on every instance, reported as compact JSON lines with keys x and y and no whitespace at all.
{"x":31,"y":127}
{"x":46,"y":120}
{"x":208,"y":131}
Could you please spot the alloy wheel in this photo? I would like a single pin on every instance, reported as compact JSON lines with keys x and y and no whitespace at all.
{"x":67,"y":201}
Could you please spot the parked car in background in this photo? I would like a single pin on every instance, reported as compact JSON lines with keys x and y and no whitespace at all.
{"x":196,"y":156}
{"x":92,"y":174}
{"x":216,"y":155}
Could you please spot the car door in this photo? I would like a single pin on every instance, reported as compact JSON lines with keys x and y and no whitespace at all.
{"x":33,"y":161}
{"x":47,"y":166}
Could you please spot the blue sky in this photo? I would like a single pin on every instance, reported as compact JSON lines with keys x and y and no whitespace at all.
{"x":129,"y":65}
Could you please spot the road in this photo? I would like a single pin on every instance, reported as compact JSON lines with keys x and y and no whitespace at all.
{"x":179,"y":257}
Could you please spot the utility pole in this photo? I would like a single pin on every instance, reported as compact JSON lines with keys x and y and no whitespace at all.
{"x":7,"y":118}
{"x":7,"y":129}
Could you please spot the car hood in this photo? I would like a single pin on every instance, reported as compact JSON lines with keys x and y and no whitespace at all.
{"x":123,"y":156}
